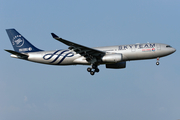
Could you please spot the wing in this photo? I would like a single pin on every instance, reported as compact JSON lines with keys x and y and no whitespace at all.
{"x":88,"y":53}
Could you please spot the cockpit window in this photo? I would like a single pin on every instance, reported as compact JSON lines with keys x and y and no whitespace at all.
{"x":168,"y":46}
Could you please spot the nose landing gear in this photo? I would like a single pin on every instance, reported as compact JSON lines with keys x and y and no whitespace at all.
{"x":157,"y":63}
{"x":91,"y":71}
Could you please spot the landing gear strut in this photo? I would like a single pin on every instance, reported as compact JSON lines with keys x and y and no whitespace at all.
{"x":93,"y":69}
{"x":157,"y":63}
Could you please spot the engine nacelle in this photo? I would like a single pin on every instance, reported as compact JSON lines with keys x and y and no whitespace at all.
{"x":112,"y":58}
{"x":118,"y":65}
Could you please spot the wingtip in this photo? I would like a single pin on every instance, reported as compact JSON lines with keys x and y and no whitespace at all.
{"x":54,"y":35}
{"x":5,"y":50}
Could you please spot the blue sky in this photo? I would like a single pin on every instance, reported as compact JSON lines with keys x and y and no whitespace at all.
{"x":141,"y":91}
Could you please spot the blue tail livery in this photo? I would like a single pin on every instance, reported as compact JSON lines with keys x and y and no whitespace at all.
{"x":113,"y":57}
{"x":19,"y":43}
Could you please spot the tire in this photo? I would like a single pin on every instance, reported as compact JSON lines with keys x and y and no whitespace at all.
{"x":89,"y":69}
{"x":157,"y":63}
{"x":92,"y":72}
{"x":96,"y":70}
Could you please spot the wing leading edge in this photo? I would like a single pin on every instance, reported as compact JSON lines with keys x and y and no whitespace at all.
{"x":88,"y":53}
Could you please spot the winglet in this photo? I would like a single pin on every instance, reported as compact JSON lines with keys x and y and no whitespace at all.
{"x":54,"y":36}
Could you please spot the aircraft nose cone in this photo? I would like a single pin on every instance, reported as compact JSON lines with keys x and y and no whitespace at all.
{"x":174,"y":50}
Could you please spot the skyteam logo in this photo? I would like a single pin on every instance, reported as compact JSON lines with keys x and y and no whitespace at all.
{"x":58,"y":56}
{"x":18,"y":41}
{"x":153,"y":49}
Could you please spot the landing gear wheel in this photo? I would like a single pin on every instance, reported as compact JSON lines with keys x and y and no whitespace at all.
{"x":89,"y":69}
{"x":92,"y":72}
{"x":157,"y":63}
{"x":96,"y":70}
{"x":94,"y":66}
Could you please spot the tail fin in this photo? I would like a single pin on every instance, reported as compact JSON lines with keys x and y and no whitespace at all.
{"x":19,"y":43}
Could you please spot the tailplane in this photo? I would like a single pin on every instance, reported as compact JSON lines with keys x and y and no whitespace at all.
{"x":19,"y":43}
{"x":18,"y":55}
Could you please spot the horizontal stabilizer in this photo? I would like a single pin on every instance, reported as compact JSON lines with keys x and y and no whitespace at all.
{"x":19,"y":55}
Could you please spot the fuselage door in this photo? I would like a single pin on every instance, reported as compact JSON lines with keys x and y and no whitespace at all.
{"x":158,"y":46}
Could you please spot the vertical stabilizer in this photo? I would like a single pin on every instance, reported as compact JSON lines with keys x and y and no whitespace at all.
{"x":19,"y":43}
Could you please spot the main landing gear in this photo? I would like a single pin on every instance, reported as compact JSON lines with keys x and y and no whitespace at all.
{"x":93,"y":69}
{"x":157,"y":63}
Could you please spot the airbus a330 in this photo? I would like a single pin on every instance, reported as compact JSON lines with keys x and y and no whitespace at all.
{"x":113,"y":57}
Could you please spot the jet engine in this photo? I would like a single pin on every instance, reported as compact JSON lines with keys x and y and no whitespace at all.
{"x":118,"y":65}
{"x":112,"y":58}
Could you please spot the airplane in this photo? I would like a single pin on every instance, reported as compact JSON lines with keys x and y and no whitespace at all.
{"x":114,"y":57}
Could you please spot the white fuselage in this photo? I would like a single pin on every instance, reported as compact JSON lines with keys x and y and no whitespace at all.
{"x":129,"y":52}
{"x":114,"y":57}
